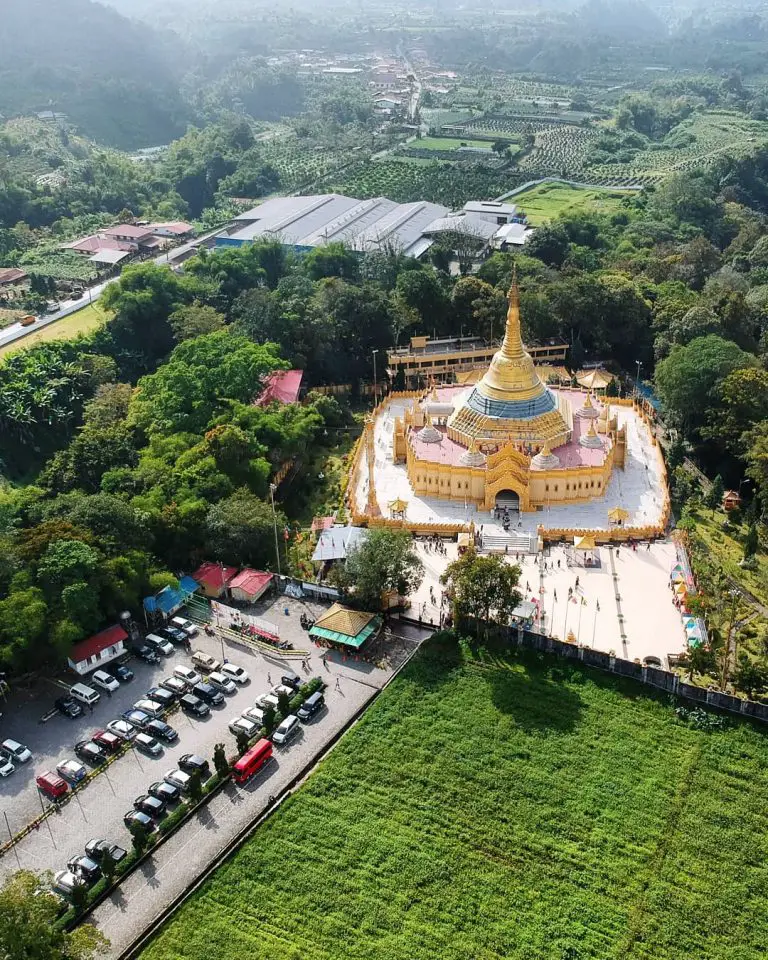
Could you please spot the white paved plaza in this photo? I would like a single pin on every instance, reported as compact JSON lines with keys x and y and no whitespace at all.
{"x":651,"y":625}
{"x":638,"y":488}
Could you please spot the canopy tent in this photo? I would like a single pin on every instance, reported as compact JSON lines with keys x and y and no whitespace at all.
{"x":677,"y":568}
{"x":169,"y":599}
{"x":595,"y":380}
{"x":397,"y":507}
{"x":584,"y":543}
{"x":618,"y":515}
{"x":681,"y":589}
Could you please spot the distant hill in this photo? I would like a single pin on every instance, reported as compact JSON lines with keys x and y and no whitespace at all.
{"x":117,"y":80}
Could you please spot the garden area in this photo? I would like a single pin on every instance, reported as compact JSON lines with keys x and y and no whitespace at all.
{"x":548,"y":200}
{"x":504,"y":808}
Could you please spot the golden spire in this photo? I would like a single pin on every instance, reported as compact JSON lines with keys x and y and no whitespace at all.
{"x":512,"y":346}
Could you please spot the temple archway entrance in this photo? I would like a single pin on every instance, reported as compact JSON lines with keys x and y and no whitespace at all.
{"x":507,"y":500}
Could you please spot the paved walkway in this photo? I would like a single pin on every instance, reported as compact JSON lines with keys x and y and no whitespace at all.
{"x":142,"y":897}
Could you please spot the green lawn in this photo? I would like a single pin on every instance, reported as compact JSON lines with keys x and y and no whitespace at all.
{"x":548,"y":200}
{"x":448,"y":143}
{"x":82,"y":321}
{"x":531,"y":811}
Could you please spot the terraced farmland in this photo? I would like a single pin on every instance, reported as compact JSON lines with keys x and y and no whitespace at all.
{"x":526,"y":810}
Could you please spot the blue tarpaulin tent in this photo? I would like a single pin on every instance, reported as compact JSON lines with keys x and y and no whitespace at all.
{"x":170,"y":599}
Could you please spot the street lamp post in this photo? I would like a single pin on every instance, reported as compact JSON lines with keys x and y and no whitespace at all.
{"x":637,"y":379}
{"x":375,"y":381}
{"x":272,"y":488}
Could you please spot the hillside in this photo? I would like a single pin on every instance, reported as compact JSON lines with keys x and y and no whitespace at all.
{"x":115,"y":79}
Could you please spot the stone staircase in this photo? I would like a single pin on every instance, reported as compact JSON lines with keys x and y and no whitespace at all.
{"x":515,"y":541}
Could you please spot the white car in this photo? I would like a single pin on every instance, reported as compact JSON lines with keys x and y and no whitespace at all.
{"x":65,"y":881}
{"x":188,"y":675}
{"x":179,"y":779}
{"x":186,"y":625}
{"x":244,"y":725}
{"x":234,"y":672}
{"x":6,"y":767}
{"x":283,"y":688}
{"x":222,"y":683}
{"x":72,"y":770}
{"x":255,"y":714}
{"x":175,"y":685}
{"x":15,"y":751}
{"x":267,"y":700}
{"x":287,"y":729}
{"x":102,"y":679}
{"x":122,"y":729}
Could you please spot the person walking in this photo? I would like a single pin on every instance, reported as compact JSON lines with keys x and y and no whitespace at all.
{"x":338,"y":685}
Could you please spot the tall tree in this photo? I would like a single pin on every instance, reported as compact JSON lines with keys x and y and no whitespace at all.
{"x":385,"y":562}
{"x":483,"y":589}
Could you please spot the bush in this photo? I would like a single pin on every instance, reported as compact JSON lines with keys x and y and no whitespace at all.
{"x":175,"y":818}
{"x":220,"y":762}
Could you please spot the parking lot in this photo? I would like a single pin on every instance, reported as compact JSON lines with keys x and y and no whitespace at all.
{"x":98,"y":809}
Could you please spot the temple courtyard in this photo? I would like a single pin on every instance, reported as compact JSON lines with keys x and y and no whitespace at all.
{"x":651,"y":626}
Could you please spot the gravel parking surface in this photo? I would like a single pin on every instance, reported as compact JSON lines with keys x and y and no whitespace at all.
{"x":98,"y":809}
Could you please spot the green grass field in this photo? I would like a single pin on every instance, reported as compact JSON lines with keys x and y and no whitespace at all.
{"x":448,"y":143}
{"x":548,"y":200}
{"x":532,"y":811}
{"x":82,"y":321}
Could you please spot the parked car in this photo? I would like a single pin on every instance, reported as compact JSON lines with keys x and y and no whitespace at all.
{"x":178,"y":779}
{"x":151,"y":707}
{"x":52,"y":785}
{"x":138,"y":718}
{"x":205,"y":661}
{"x":159,"y":644}
{"x":176,"y":685}
{"x":291,"y":679}
{"x":161,"y":731}
{"x":189,"y":628}
{"x":15,"y":752}
{"x":108,"y":741}
{"x":167,"y":792}
{"x":149,"y":805}
{"x":268,"y":700}
{"x":72,"y":771}
{"x":208,"y":693}
{"x":85,"y":694}
{"x":68,"y":707}
{"x":105,"y":680}
{"x":287,"y":729}
{"x":99,"y":849}
{"x":65,"y":882}
{"x":147,"y":654}
{"x":234,"y":672}
{"x":283,"y":688}
{"x":177,"y":637}
{"x":84,"y":867}
{"x":192,"y":763}
{"x":255,"y":714}
{"x":244,"y":725}
{"x":146,"y":744}
{"x":222,"y":682}
{"x":6,"y":767}
{"x":312,"y":705}
{"x":139,"y":817}
{"x":123,"y":729}
{"x":120,"y":672}
{"x":188,"y":675}
{"x":90,"y":752}
{"x":193,"y":705}
{"x":162,"y":696}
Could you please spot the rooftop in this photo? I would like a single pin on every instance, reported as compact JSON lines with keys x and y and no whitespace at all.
{"x":281,"y":386}
{"x":11,"y":274}
{"x":97,"y":643}
{"x":337,"y":542}
{"x":364,"y":225}
{"x":250,"y":581}
{"x":129,"y":230}
{"x":214,"y":574}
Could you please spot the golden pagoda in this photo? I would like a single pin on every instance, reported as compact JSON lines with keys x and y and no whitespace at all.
{"x":511,"y":404}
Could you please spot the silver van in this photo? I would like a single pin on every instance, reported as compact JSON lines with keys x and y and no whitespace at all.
{"x":84,"y":694}
{"x":152,"y":707}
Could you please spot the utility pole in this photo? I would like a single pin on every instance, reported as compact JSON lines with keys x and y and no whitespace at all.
{"x":272,"y":488}
{"x":637,"y":379}
{"x":375,"y":381}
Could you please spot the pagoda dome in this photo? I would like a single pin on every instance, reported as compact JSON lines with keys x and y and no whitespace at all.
{"x":589,"y":411}
{"x":545,"y":459}
{"x":591,"y":439}
{"x":429,"y":432}
{"x":472,"y":457}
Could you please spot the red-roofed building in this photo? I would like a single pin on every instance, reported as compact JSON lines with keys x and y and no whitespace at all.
{"x":214,"y":578}
{"x":321,"y":523}
{"x":281,"y":386}
{"x":249,"y":585}
{"x":177,"y":228}
{"x":129,"y":232}
{"x":97,"y":650}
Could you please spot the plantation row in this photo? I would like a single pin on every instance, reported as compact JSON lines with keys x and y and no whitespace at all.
{"x":512,"y":127}
{"x":560,"y":149}
{"x":451,"y":184}
{"x":299,"y":164}
{"x":56,"y":263}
